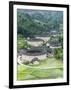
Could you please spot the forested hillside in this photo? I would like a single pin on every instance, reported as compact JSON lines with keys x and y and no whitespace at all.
{"x":38,"y":22}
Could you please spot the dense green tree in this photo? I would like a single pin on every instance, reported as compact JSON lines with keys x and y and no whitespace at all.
{"x":21,"y":43}
{"x":59,"y":53}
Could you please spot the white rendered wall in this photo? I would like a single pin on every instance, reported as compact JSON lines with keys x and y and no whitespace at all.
{"x":44,"y":38}
{"x":35,"y":43}
{"x":29,"y":58}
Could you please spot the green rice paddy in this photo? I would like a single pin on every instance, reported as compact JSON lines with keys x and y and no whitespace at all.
{"x":47,"y":69}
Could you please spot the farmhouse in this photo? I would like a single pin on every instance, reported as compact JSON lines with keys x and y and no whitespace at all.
{"x":53,"y":33}
{"x":55,"y":44}
{"x":45,"y":38}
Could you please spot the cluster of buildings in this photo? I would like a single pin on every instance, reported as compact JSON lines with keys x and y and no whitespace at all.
{"x":39,"y":49}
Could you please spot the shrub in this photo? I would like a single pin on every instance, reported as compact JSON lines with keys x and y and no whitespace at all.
{"x":59,"y":53}
{"x":21,"y":42}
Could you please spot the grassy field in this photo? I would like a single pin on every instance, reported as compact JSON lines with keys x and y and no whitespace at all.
{"x":47,"y":69}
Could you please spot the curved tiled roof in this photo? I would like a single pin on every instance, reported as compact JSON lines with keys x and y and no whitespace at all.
{"x":32,"y":52}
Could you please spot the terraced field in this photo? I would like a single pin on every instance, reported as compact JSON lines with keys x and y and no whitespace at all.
{"x":47,"y":69}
